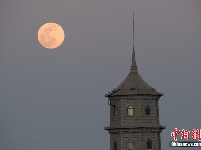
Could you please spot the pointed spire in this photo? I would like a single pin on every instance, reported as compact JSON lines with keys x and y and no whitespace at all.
{"x":133,"y":66}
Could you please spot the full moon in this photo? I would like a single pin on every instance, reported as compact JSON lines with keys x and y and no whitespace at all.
{"x":51,"y":35}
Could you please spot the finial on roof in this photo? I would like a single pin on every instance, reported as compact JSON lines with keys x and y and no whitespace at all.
{"x":133,"y":66}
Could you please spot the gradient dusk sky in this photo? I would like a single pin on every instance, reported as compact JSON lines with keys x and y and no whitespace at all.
{"x":54,"y":100}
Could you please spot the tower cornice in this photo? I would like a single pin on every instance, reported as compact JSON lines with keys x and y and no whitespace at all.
{"x":139,"y":129}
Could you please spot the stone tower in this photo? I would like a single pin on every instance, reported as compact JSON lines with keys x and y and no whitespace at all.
{"x":134,"y":113}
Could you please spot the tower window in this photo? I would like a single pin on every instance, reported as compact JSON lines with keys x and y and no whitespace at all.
{"x":130,"y":144}
{"x":147,"y":110}
{"x":115,"y":145}
{"x":130,"y":110}
{"x":115,"y":111}
{"x":149,"y":144}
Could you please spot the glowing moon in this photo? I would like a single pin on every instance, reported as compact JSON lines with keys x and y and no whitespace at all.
{"x":51,"y":35}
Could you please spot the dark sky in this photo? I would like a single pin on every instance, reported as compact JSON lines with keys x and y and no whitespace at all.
{"x":54,"y":100}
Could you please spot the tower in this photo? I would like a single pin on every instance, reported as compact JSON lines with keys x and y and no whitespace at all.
{"x":134,"y":113}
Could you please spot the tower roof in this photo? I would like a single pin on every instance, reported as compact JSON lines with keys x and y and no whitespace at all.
{"x":133,"y":84}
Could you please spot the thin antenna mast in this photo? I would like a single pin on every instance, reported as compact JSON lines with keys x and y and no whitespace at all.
{"x":133,"y":66}
{"x":133,"y":31}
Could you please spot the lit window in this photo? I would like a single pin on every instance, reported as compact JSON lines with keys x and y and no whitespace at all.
{"x":149,"y":144}
{"x":147,"y":110}
{"x":130,"y":110}
{"x":115,"y":145}
{"x":130,"y":144}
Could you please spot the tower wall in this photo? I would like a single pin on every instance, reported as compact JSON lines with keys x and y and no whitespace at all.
{"x":139,"y":118}
{"x":139,"y":140}
{"x":115,"y":121}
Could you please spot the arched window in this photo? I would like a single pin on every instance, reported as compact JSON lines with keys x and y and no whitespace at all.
{"x":147,"y":110}
{"x":130,"y":110}
{"x":130,"y":144}
{"x":149,"y":143}
{"x":115,"y":144}
{"x":115,"y":111}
